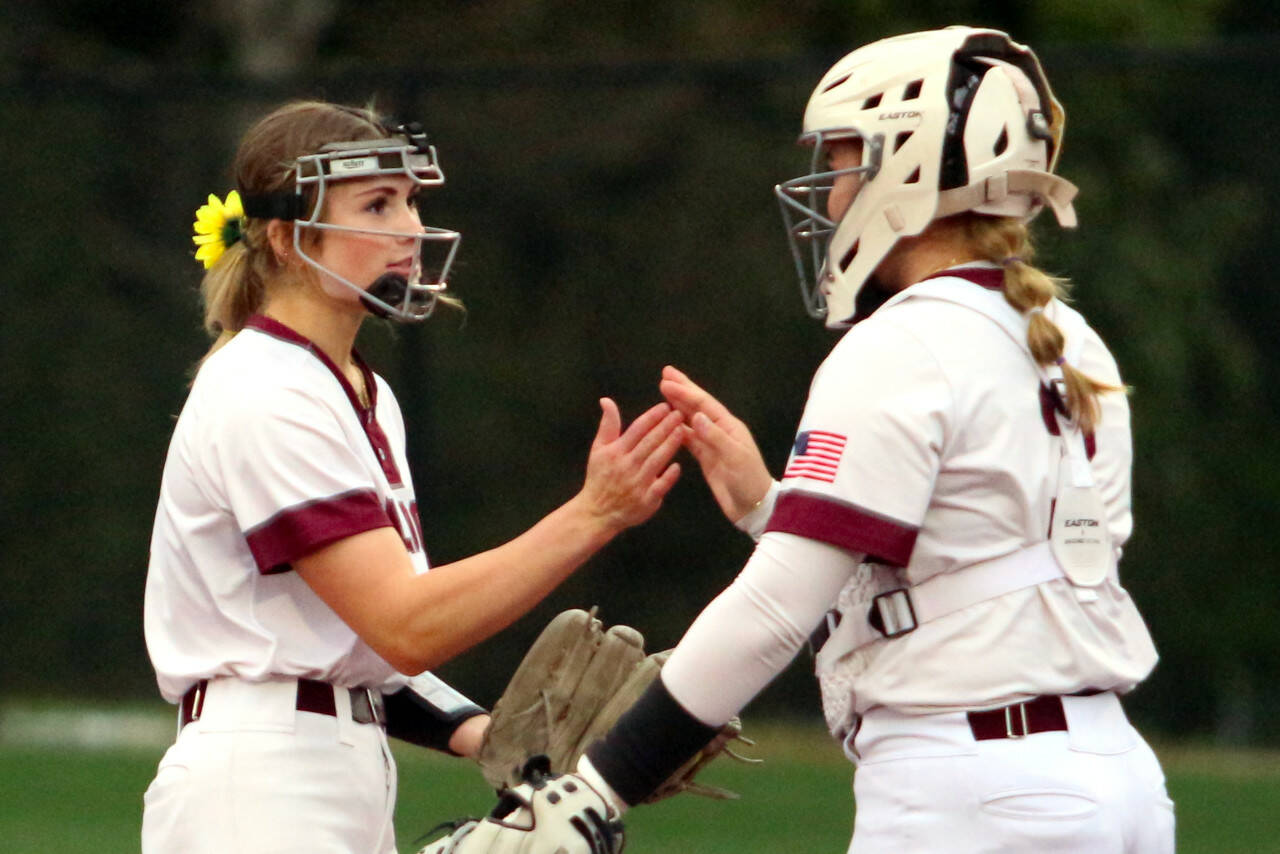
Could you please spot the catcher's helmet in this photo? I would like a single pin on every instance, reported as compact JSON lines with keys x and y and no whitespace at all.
{"x":951,"y":120}
{"x":405,"y":151}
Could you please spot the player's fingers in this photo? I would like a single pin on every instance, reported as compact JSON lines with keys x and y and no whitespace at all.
{"x":660,"y":455}
{"x":637,"y":429}
{"x":651,"y":443}
{"x":687,"y":436}
{"x":649,"y":429}
{"x":661,"y":486}
{"x":699,"y":448}
{"x":713,"y":436}
{"x":691,"y":403}
{"x":673,"y":373}
{"x":610,"y":423}
{"x":689,"y":397}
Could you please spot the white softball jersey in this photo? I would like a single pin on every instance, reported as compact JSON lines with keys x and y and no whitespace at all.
{"x":273,"y":457}
{"x":928,"y":445}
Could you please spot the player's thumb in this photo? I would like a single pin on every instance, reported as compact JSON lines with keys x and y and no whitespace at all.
{"x":610,"y":422}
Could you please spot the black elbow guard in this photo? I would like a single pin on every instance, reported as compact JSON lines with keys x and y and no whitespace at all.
{"x":426,"y":712}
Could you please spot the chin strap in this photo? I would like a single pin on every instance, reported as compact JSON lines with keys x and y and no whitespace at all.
{"x":1045,"y":187}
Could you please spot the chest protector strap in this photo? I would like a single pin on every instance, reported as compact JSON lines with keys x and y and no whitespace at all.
{"x":900,"y":610}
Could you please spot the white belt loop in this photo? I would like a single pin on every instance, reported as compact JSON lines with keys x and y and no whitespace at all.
{"x":346,"y":726}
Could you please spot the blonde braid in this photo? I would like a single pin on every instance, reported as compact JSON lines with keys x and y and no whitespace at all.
{"x":1005,"y":241}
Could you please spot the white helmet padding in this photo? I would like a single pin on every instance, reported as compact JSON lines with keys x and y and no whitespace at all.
{"x":951,"y":120}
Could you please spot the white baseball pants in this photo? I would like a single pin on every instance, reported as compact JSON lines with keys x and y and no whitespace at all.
{"x":254,"y":775}
{"x":925,"y":785}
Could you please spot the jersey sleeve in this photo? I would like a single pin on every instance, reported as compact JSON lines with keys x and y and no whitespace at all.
{"x":869,"y":446}
{"x":295,"y":479}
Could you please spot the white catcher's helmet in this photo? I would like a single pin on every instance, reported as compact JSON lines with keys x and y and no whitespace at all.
{"x":951,"y":120}
{"x":405,"y":151}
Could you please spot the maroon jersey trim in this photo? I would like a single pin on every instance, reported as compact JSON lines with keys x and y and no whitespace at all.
{"x":830,"y":520}
{"x":302,"y":529}
{"x":991,"y":278}
{"x":367,"y":415}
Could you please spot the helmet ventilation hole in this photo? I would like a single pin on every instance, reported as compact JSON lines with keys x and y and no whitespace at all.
{"x":901,"y":140}
{"x":1003,"y":142}
{"x":913,"y":90}
{"x":914,"y":177}
{"x":872,"y":102}
{"x":834,"y":83}
{"x":848,"y":257}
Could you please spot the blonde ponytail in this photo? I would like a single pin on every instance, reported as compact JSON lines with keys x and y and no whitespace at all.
{"x":1005,"y":241}
{"x":231,"y":295}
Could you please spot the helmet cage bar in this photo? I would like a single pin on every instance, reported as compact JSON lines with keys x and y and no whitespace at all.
{"x":364,"y":158}
{"x":803,"y":202}
{"x":370,"y":158}
{"x":420,"y":296}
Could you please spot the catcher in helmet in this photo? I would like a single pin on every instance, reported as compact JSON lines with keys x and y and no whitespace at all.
{"x":948,"y":527}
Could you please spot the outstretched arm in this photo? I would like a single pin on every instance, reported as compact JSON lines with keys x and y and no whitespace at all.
{"x":722,"y":444}
{"x":417,"y":622}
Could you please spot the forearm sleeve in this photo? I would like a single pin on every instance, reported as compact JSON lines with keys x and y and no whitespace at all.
{"x":752,"y":630}
{"x":739,"y":643}
{"x":426,"y":712}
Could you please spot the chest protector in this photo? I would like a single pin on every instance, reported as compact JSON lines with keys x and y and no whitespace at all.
{"x":877,"y":605}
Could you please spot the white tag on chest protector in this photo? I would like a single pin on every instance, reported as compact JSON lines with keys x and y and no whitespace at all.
{"x":1079,"y":537}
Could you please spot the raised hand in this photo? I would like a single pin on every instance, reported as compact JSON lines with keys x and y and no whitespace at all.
{"x":630,"y":472}
{"x":723,"y":446}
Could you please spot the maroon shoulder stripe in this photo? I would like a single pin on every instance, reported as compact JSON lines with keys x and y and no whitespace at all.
{"x":829,"y":520}
{"x":299,"y":530}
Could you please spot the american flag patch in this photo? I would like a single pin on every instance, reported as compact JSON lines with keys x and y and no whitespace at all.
{"x":816,"y":455}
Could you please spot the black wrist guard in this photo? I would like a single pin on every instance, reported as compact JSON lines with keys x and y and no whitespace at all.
{"x":427,"y":712}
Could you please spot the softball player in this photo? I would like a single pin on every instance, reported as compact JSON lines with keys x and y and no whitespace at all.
{"x":289,"y":607}
{"x":954,"y":507}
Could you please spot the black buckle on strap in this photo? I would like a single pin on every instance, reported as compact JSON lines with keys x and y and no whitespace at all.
{"x":413,"y":132}
{"x":892,"y":614}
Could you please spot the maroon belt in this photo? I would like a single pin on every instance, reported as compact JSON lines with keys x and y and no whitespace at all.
{"x":317,"y":697}
{"x":1043,"y":714}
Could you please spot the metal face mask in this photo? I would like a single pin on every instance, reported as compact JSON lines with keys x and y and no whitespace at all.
{"x":406,"y":299}
{"x":803,"y":202}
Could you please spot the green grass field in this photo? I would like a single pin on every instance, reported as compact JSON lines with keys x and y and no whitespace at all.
{"x":56,"y":799}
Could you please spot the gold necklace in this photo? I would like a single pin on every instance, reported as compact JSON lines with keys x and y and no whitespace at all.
{"x":360,"y":386}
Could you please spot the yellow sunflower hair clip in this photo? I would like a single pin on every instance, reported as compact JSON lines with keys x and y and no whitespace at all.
{"x":218,"y":225}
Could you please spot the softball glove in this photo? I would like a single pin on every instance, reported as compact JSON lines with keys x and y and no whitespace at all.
{"x":573,"y":684}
